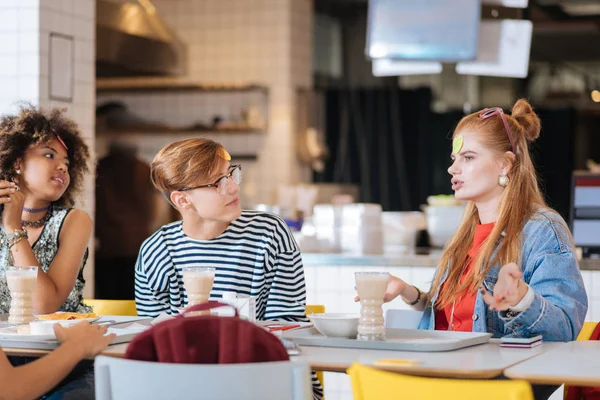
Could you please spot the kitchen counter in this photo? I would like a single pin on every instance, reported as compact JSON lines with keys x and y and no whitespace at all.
{"x":590,"y":264}
{"x":330,"y":278}
{"x":392,"y":258}
{"x":388,"y":259}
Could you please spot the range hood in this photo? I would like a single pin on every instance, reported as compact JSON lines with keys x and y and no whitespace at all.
{"x":132,"y":40}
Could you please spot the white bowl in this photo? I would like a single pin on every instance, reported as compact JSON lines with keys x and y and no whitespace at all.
{"x":442,"y":223}
{"x":335,"y":324}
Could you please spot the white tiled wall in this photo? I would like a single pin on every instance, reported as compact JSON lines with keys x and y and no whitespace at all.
{"x":591,"y":279}
{"x":268,"y":42}
{"x":25,"y":28}
{"x":19,"y":53}
{"x":333,"y":287}
{"x":76,"y":18}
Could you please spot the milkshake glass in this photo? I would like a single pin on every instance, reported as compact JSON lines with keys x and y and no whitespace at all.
{"x":198,"y":282}
{"x":371,"y":288}
{"x":21,"y":283}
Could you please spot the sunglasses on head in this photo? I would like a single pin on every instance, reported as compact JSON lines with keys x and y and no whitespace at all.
{"x":490,"y":112}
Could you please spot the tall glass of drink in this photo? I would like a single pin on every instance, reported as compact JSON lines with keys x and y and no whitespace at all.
{"x":198,"y":282}
{"x":21,"y":284}
{"x":371,"y":288}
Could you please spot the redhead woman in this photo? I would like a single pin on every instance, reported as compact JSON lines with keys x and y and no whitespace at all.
{"x":510,"y":269}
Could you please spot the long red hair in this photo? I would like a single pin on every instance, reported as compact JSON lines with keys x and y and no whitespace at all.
{"x":519,"y":200}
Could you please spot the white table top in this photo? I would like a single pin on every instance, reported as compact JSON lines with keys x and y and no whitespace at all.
{"x":575,"y":363}
{"x":483,"y":361}
{"x":116,"y":350}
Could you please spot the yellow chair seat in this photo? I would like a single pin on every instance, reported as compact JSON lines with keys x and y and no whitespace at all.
{"x":318,"y":308}
{"x":373,"y":384}
{"x":112,"y":307}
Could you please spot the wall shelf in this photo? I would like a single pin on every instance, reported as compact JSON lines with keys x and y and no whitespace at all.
{"x":172,"y":131}
{"x":141,"y":85}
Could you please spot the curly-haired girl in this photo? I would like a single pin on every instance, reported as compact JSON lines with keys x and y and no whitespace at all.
{"x":43,"y":160}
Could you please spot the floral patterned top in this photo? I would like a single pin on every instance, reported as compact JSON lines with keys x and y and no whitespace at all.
{"x":44,"y":249}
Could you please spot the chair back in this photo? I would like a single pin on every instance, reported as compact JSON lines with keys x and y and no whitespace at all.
{"x":318,"y":309}
{"x":121,"y":379}
{"x":198,"y":337}
{"x":402,"y":319}
{"x":112,"y":307}
{"x":586,"y":330}
{"x":373,"y":384}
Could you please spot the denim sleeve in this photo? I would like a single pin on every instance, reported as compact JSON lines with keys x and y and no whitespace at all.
{"x":560,"y":304}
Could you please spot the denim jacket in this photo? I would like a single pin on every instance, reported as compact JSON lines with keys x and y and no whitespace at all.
{"x":550,"y":268}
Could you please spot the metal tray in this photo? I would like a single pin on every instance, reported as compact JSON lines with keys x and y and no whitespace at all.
{"x":25,"y":342}
{"x":396,"y":339}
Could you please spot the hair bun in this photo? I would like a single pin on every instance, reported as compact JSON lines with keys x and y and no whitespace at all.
{"x":527,"y":119}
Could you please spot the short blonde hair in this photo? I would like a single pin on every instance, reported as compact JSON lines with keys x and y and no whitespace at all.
{"x":186,"y":163}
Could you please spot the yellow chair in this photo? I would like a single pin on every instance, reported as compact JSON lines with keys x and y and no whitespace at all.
{"x":317,"y":309}
{"x":373,"y":384}
{"x":112,"y":307}
{"x":587,"y":330}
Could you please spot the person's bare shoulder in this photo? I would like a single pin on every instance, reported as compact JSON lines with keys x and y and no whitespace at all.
{"x":77,"y":221}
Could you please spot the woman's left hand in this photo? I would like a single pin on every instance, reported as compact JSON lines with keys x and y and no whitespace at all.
{"x":509,"y":289}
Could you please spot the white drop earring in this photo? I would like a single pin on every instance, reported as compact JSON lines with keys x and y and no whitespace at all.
{"x":503,"y":180}
{"x":18,"y":171}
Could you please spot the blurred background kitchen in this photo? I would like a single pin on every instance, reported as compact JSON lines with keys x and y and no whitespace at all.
{"x":339,"y":110}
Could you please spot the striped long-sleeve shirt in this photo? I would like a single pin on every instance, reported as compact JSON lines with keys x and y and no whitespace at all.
{"x":256,"y":255}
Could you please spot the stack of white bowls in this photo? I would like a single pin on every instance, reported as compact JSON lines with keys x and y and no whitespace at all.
{"x":442,"y":223}
{"x":326,"y":220}
{"x":361,"y":229}
{"x":400,"y":228}
{"x":349,"y":228}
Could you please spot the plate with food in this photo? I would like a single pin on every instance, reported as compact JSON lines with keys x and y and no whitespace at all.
{"x":43,"y":327}
{"x":68,"y":316}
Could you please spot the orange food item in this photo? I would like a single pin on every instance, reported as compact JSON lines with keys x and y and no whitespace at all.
{"x":62,"y":316}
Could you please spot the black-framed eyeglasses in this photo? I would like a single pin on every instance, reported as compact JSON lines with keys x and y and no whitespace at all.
{"x":222,"y":183}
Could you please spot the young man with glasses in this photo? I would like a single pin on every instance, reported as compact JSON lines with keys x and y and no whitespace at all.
{"x":253,"y":253}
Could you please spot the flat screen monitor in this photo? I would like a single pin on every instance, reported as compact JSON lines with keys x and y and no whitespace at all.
{"x":504,"y":48}
{"x":507,"y":3}
{"x":434,"y":30}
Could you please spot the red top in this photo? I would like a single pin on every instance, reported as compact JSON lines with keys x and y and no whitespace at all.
{"x":465,"y":303}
